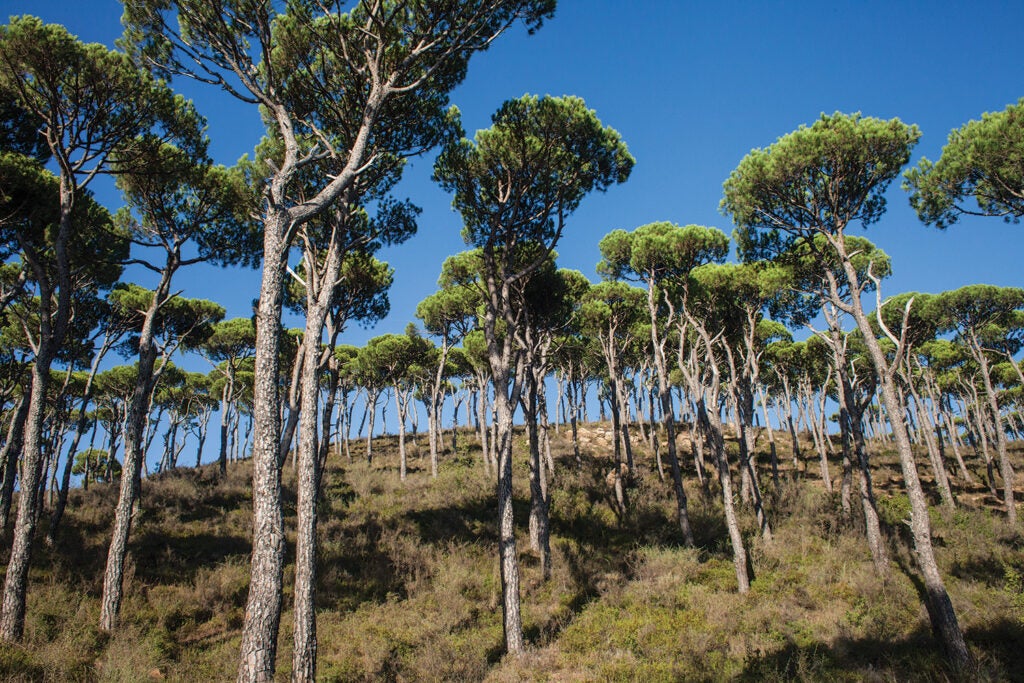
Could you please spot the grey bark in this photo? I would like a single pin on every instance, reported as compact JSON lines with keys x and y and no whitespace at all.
{"x":668,"y":416}
{"x":263,"y":605}
{"x":940,"y":607}
{"x":11,"y":453}
{"x":53,"y":325}
{"x":134,"y":454}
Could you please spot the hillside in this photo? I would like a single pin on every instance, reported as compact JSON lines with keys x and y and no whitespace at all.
{"x":409,"y":587}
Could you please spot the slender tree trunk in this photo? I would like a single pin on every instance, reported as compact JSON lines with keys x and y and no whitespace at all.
{"x":819,"y":440}
{"x":545,"y":438}
{"x":11,"y":453}
{"x":954,"y":441}
{"x":792,"y":426}
{"x":288,"y":433}
{"x":613,"y":400}
{"x":345,"y":422}
{"x":62,"y":499}
{"x":509,"y":561}
{"x":308,"y":458}
{"x":433,"y":429}
{"x":746,"y":464}
{"x":668,"y":418}
{"x":225,"y":420}
{"x":481,"y":418}
{"x":12,"y":617}
{"x":263,"y":605}
{"x":434,"y":407}
{"x":940,"y":608}
{"x":713,"y":430}
{"x":774,"y":455}
{"x":559,"y":403}
{"x":540,"y":533}
{"x":201,"y":432}
{"x":372,"y":397}
{"x":572,"y":406}
{"x":934,"y":457}
{"x":401,"y":409}
{"x":1005,"y":468}
{"x":624,"y":420}
{"x":873,"y":530}
{"x":134,"y":455}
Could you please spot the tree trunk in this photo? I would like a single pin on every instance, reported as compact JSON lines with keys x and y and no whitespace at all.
{"x":746,"y":465}
{"x":481,"y":419}
{"x":134,"y":454}
{"x":954,"y":441}
{"x":668,"y":419}
{"x":263,"y":605}
{"x":372,"y":408}
{"x":873,"y":531}
{"x":308,"y":481}
{"x":62,"y":499}
{"x":400,"y":408}
{"x":545,"y":439}
{"x":12,"y":617}
{"x":509,"y":561}
{"x":624,"y":419}
{"x":774,"y":455}
{"x":934,"y":457}
{"x":540,"y":533}
{"x":940,"y":608}
{"x":713,"y":430}
{"x":11,"y":453}
{"x":225,"y":420}
{"x":819,"y":440}
{"x":1005,"y":468}
{"x":792,"y":426}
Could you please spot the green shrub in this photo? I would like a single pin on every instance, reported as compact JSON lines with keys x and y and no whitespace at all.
{"x":894,"y":511}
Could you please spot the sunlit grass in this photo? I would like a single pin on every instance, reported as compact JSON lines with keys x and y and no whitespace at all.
{"x":409,"y":587}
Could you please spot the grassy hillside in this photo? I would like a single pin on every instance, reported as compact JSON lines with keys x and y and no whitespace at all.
{"x":409,"y":587}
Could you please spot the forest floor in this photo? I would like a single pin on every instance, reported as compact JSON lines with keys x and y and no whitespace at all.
{"x":408,"y":586}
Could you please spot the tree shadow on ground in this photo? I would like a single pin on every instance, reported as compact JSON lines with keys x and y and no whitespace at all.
{"x":867,"y":659}
{"x":168,"y":558}
{"x":471,"y":521}
{"x":1000,"y":657}
{"x":356,"y":569}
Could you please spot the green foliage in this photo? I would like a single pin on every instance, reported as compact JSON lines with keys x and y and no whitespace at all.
{"x":981,"y":315}
{"x":30,"y":202}
{"x":1014,"y":587}
{"x":362,"y":294}
{"x":91,"y":104}
{"x":817,"y":179}
{"x":179,"y":321}
{"x":980,"y":172}
{"x":894,"y":511}
{"x":96,"y":464}
{"x":321,"y":73}
{"x":451,"y":312}
{"x":611,"y":308}
{"x":175,"y":198}
{"x":231,"y":341}
{"x":530,"y":170}
{"x":393,"y":359}
{"x":660,"y":252}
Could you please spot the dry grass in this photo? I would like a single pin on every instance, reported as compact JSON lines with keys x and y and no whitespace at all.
{"x":409,"y":588}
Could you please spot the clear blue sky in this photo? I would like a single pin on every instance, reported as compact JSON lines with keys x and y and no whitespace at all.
{"x":692,"y":87}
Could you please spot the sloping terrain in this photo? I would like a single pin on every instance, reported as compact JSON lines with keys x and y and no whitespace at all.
{"x":409,"y":587}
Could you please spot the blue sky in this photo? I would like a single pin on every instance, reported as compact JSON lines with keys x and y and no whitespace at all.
{"x":692,"y":87}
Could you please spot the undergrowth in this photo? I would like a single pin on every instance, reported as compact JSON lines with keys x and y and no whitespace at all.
{"x":409,"y":588}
